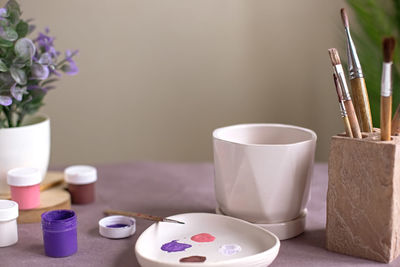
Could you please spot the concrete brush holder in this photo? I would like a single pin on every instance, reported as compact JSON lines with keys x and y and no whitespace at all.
{"x":363,"y":200}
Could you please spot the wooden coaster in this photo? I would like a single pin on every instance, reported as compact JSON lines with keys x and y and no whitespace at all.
{"x":53,"y":196}
{"x":52,"y":179}
{"x":52,"y":199}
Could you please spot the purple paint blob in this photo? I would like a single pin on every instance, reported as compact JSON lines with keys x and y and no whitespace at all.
{"x":175,"y":246}
{"x":118,"y":225}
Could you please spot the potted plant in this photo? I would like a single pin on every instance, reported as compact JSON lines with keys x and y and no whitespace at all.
{"x":28,"y":69}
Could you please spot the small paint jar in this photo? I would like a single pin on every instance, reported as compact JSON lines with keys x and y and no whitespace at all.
{"x":25,"y":187}
{"x":81,"y":181}
{"x":8,"y":222}
{"x":59,"y":233}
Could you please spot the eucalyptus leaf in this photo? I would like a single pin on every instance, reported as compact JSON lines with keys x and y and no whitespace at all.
{"x":18,"y":75}
{"x":5,"y":43}
{"x":45,"y":59}
{"x":5,"y":100}
{"x":17,"y":92}
{"x":24,"y":48}
{"x":3,"y":67}
{"x":13,"y":11}
{"x":22,"y":29}
{"x":39,"y":71}
{"x":20,"y":62}
{"x":8,"y":34}
{"x":6,"y":80}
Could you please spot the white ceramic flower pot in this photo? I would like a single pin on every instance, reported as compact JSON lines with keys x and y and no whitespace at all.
{"x":263,"y":171}
{"x":25,"y":146}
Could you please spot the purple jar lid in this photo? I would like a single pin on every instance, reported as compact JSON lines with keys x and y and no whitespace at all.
{"x":59,"y":220}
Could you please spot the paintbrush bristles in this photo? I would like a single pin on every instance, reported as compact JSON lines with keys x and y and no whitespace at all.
{"x":388,"y":48}
{"x":338,"y":89}
{"x":334,"y":55}
{"x":345,"y":18}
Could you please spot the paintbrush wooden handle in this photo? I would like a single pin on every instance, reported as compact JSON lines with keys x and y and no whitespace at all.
{"x":361,"y":104}
{"x":396,"y":122}
{"x":386,"y":117}
{"x":135,"y":215}
{"x":355,"y":127}
{"x":44,"y":187}
{"x":347,"y":127}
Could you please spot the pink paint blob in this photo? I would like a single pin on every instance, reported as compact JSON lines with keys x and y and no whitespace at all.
{"x":27,"y":197}
{"x":203,"y":237}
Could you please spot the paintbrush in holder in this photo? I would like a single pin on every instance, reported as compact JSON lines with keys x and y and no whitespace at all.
{"x":363,"y":200}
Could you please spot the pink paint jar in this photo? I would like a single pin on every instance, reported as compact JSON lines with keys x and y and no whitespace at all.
{"x":25,"y":187}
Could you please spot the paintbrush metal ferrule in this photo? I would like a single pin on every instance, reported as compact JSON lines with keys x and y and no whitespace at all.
{"x":354,"y":64}
{"x":342,"y":81}
{"x":386,"y":82}
{"x":172,"y":221}
{"x":343,"y":111}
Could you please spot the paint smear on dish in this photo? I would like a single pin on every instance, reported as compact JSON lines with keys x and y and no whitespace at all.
{"x":118,"y":225}
{"x":230,"y":249}
{"x":175,"y":246}
{"x":193,"y":259}
{"x":203,"y":237}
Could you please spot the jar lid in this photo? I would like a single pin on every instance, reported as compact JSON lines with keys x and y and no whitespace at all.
{"x":117,"y":226}
{"x":24,"y":176}
{"x":80,"y":174}
{"x":8,"y":210}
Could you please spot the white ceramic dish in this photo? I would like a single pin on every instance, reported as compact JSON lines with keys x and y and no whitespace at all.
{"x":259,"y":247}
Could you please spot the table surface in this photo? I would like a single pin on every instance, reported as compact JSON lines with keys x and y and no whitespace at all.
{"x":167,"y":189}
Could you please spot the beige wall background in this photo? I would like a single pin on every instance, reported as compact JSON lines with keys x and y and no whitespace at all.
{"x":157,"y":76}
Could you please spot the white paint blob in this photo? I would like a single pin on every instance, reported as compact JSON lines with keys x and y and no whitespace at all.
{"x":229,"y":249}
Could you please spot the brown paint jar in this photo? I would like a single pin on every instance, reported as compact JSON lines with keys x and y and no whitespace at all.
{"x":81,"y":180}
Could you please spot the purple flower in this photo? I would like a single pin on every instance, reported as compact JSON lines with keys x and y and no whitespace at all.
{"x":5,"y":100}
{"x":71,"y":68}
{"x":45,"y":44}
{"x":3,"y":13}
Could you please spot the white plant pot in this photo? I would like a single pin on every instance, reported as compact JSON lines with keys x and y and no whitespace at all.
{"x":25,"y":146}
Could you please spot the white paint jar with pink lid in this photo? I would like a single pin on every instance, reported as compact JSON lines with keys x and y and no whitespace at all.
{"x":8,"y":222}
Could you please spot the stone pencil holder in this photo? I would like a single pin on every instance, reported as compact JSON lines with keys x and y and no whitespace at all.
{"x":363,"y":200}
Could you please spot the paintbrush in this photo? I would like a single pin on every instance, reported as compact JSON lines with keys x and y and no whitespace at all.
{"x":386,"y":88}
{"x":342,"y":107}
{"x":337,"y":67}
{"x":141,"y":216}
{"x":44,"y":187}
{"x":357,"y":82}
{"x":396,"y":122}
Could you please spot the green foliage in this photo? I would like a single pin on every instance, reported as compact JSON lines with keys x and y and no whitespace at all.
{"x":28,"y":67}
{"x":377,"y":19}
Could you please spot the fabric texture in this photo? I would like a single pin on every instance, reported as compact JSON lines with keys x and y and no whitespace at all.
{"x":166,"y":189}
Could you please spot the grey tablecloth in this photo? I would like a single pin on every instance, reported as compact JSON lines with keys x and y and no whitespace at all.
{"x":167,"y":189}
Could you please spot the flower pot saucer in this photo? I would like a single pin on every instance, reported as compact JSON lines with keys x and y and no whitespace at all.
{"x":283,"y":230}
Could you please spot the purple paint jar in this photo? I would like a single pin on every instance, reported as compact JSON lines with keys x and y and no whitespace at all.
{"x":59,"y":233}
